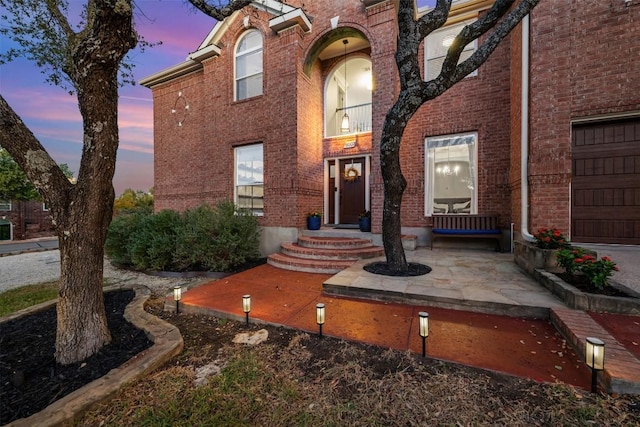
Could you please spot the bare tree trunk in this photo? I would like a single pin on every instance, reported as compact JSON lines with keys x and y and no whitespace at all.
{"x":393,"y":180}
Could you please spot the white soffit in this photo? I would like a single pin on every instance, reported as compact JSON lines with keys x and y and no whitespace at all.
{"x":295,"y":17}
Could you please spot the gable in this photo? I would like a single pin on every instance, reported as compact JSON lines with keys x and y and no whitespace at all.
{"x":284,"y":16}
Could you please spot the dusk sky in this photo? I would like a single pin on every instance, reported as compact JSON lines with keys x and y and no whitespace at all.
{"x":53,"y":116}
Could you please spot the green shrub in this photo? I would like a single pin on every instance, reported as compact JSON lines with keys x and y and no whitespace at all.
{"x":120,"y":231}
{"x":194,"y":240}
{"x":152,"y":245}
{"x":203,"y":238}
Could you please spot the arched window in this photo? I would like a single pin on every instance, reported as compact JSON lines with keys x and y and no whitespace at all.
{"x":350,"y":96}
{"x":248,"y":66}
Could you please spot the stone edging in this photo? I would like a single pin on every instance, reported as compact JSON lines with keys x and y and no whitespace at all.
{"x":167,"y":343}
{"x":579,"y":300}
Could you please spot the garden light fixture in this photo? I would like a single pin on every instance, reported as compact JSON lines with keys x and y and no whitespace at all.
{"x":320,"y":316}
{"x":423,"y":329}
{"x":594,"y":355}
{"x":246,"y":306}
{"x":177,"y":296}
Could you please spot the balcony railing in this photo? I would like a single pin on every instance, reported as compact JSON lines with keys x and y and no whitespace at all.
{"x":359,"y":119}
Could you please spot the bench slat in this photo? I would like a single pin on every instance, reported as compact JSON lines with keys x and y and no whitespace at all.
{"x":476,"y":226}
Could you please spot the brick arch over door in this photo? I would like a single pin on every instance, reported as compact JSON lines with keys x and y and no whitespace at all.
{"x":605,"y":186}
{"x":327,"y":39}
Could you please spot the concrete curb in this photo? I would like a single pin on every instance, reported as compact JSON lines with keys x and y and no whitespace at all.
{"x":167,"y":343}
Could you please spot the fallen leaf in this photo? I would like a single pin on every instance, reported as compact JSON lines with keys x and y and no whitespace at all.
{"x":533,"y":352}
{"x":522,"y":342}
{"x":559,"y":368}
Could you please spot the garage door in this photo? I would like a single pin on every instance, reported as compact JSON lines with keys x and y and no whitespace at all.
{"x":605,"y":187}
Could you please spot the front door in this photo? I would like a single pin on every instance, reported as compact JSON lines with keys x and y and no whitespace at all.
{"x":352,"y":189}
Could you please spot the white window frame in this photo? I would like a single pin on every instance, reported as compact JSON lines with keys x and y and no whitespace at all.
{"x":429,"y":167}
{"x":5,"y":205}
{"x":438,"y":37}
{"x":236,"y":183}
{"x":240,"y":54}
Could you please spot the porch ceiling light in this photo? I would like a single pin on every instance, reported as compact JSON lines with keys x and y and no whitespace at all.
{"x":344,"y":125}
{"x":594,"y":355}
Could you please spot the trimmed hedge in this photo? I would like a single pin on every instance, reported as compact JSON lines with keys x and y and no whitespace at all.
{"x":201,"y":239}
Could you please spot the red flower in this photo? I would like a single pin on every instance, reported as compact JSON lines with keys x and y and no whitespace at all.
{"x":556,"y":233}
{"x":606,"y":258}
{"x":547,"y":239}
{"x":587,"y":257}
{"x":578,"y":260}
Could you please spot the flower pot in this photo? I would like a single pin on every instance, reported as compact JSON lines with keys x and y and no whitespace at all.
{"x":365,"y":223}
{"x":313,"y":222}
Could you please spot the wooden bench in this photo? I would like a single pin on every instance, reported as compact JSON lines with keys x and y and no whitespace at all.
{"x":469,"y":226}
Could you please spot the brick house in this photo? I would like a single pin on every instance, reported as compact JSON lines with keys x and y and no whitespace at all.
{"x":256,"y":115}
{"x":20,"y":220}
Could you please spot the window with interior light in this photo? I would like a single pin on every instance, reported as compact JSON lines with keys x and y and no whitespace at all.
{"x":248,"y":66}
{"x":437,"y":45}
{"x":451,"y":174}
{"x":249,"y":178}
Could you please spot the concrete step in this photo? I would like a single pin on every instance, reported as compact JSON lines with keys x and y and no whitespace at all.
{"x":320,"y":242}
{"x":288,"y":262}
{"x":341,"y":253}
{"x":621,"y":368}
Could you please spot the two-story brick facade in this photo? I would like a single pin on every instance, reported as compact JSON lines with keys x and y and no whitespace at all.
{"x":256,"y":115}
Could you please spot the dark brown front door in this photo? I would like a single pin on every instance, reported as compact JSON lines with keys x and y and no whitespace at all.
{"x":352,"y":181}
{"x":605,"y":186}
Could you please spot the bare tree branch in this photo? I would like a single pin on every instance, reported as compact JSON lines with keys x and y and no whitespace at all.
{"x":221,"y":11}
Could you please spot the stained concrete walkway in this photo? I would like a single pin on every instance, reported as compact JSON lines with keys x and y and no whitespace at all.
{"x":481,"y":286}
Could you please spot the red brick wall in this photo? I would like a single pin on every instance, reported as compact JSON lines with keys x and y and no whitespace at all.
{"x":585,"y":62}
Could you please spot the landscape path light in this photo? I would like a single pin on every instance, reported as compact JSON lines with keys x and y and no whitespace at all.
{"x":177,"y":296}
{"x":246,"y":306}
{"x":320,"y":316}
{"x":423,"y":329}
{"x":594,"y":355}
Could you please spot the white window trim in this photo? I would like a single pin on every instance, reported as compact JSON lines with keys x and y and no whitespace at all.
{"x":429,"y":173}
{"x":235,"y":175}
{"x":6,"y":203}
{"x":435,"y":33}
{"x":243,"y":53}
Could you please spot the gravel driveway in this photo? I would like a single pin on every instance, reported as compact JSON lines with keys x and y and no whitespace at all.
{"x":40,"y":267}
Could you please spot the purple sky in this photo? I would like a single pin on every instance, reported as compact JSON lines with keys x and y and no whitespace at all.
{"x":53,"y":116}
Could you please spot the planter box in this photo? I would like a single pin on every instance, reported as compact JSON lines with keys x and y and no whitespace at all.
{"x":576,"y":299}
{"x":529,"y":258}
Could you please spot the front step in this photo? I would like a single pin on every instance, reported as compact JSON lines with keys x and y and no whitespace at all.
{"x":323,"y":254}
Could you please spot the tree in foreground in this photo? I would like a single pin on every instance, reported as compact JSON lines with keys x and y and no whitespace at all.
{"x":496,"y":24}
{"x":87,"y":62}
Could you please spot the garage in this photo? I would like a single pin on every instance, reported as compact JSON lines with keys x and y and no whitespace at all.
{"x":605,"y":185}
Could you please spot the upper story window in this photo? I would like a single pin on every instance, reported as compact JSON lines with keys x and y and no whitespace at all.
{"x":248,"y":66}
{"x":5,"y":205}
{"x":436,"y":47}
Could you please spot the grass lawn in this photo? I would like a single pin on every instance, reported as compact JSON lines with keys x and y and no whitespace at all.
{"x":26,"y":296}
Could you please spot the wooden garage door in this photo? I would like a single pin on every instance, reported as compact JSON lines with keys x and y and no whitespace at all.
{"x":605,"y":187}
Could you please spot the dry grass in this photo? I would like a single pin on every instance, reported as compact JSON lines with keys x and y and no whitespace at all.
{"x":300,"y":380}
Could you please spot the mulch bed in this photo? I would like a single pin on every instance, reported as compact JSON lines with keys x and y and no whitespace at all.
{"x":30,"y":378}
{"x":582,"y":284}
{"x":382,"y":268}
